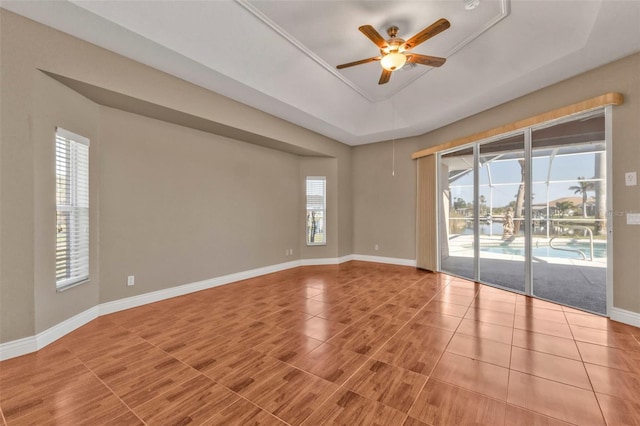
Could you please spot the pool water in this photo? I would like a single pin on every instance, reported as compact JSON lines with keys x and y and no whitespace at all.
{"x":599,"y":250}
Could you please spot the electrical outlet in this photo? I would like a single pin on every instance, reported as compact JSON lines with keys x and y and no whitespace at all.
{"x":131,"y":280}
{"x":376,"y":247}
{"x":290,"y":252}
{"x":631,"y":179}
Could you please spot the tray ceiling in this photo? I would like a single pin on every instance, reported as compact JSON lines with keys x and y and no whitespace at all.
{"x":342,"y":42}
{"x":280,"y":56}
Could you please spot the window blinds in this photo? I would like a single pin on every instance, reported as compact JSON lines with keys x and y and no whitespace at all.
{"x":72,"y":208}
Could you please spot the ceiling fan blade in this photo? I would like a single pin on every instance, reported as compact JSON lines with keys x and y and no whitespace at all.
{"x":384,"y":78}
{"x":432,"y":61}
{"x":434,"y":29}
{"x":360,"y":62}
{"x":373,"y":35}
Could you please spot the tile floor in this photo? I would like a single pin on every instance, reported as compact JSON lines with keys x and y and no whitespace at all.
{"x":359,"y":343}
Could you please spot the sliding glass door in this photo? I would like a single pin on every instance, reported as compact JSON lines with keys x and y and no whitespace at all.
{"x":501,"y":199}
{"x":569,"y":233}
{"x":457,"y":230}
{"x":527,"y":211}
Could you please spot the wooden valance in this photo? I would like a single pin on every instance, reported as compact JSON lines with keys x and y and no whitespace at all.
{"x":611,"y":98}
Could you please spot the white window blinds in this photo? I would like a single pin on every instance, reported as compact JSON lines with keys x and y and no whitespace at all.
{"x":72,"y":208}
{"x":316,"y":206}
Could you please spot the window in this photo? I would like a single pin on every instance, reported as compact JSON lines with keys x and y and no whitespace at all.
{"x":72,"y":209}
{"x":316,"y":206}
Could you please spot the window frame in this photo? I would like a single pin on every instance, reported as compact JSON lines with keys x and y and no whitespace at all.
{"x":72,"y":156}
{"x":309,"y":211}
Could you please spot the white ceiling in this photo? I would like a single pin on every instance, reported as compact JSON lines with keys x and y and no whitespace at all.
{"x":279,"y":56}
{"x":332,"y":37}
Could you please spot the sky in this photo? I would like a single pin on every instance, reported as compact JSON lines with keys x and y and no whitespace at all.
{"x":506,"y":177}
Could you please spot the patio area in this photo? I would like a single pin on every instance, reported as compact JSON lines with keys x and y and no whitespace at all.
{"x":558,"y":275}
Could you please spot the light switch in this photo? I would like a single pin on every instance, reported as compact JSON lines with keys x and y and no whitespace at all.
{"x":630,"y":179}
{"x":633,"y":218}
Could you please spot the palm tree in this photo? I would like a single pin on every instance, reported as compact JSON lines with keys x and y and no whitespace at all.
{"x":582,"y":188}
{"x":563,"y":207}
{"x":518,"y":212}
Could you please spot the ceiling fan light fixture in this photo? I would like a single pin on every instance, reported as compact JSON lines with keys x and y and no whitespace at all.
{"x":393,"y":61}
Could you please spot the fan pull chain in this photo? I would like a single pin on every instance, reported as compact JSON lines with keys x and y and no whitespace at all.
{"x":393,"y":159}
{"x":393,"y":136}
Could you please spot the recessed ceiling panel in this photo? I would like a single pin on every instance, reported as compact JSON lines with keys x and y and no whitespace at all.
{"x":304,"y":23}
{"x":280,"y":56}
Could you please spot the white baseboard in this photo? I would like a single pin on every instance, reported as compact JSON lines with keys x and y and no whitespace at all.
{"x":320,"y":261}
{"x":327,"y":260}
{"x":18,"y":347}
{"x":388,"y":260}
{"x":156,"y":296}
{"x":347,"y":258}
{"x":30,"y":344}
{"x":34,"y":343}
{"x":52,"y":334}
{"x":360,"y":257}
{"x":627,"y":317}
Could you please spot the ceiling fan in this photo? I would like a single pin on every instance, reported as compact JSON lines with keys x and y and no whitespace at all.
{"x":394,"y":53}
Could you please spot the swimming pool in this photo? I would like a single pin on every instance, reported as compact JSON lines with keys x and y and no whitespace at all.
{"x":599,"y":250}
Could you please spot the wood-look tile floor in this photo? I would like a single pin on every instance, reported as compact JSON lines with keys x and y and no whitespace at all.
{"x":359,"y":343}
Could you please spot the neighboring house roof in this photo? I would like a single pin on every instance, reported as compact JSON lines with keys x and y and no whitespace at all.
{"x":577,"y":202}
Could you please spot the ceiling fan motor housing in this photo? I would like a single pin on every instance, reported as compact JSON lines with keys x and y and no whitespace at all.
{"x":393,"y":45}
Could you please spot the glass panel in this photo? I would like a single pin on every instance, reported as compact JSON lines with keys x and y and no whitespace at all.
{"x":316,"y":206}
{"x":501,"y":209}
{"x":569,"y":239}
{"x":457,"y":227}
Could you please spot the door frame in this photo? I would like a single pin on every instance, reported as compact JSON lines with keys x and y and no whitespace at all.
{"x":527,"y":133}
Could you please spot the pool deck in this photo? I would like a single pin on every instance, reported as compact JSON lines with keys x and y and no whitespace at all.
{"x":574,"y":282}
{"x":462,"y":246}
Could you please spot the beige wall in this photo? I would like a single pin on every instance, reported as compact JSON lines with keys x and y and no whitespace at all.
{"x":17,"y":226}
{"x":345,"y":203}
{"x":170,"y":205}
{"x":179,"y":206}
{"x":384,"y":204}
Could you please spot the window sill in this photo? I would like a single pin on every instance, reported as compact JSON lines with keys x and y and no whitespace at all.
{"x":70,"y":286}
